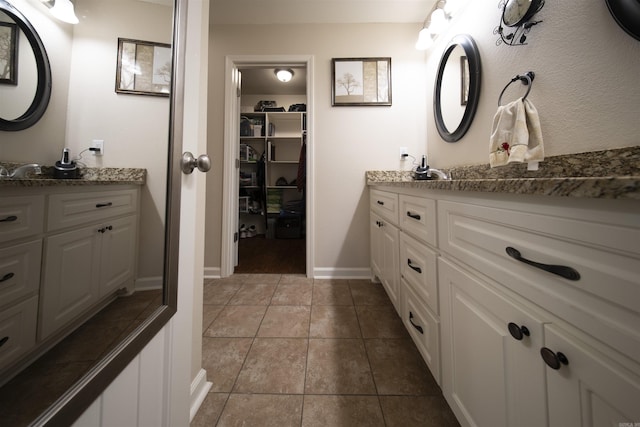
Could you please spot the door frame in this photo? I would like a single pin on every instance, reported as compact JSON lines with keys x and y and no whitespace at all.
{"x":231,"y":147}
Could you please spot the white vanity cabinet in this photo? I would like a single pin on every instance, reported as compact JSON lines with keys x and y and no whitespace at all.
{"x":89,"y":253}
{"x":385,"y":241}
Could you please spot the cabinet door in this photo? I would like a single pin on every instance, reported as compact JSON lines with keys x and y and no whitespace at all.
{"x":117,"y":254}
{"x":489,"y":378}
{"x":376,"y":245}
{"x":70,"y":282}
{"x":591,"y":389}
{"x":385,"y":247}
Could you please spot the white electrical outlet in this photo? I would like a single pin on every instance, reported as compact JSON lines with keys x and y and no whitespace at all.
{"x":403,"y":151}
{"x":98,"y":145}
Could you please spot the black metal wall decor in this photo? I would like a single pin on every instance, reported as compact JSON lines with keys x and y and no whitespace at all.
{"x":516,"y":20}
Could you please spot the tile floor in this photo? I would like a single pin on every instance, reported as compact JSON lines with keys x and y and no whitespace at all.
{"x":284,"y":350}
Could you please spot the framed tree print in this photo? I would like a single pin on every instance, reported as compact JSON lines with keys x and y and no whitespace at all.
{"x":361,"y":81}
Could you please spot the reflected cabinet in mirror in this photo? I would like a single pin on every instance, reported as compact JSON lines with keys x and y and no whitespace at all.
{"x":87,"y":276}
{"x":457,"y":88}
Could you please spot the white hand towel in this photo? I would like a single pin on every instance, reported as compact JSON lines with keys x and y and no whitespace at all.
{"x":516,"y":135}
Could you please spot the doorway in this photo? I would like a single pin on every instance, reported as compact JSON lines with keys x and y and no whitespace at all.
{"x":267,"y":216}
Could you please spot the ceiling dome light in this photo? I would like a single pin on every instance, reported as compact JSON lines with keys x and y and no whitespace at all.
{"x":284,"y":75}
{"x":63,"y":10}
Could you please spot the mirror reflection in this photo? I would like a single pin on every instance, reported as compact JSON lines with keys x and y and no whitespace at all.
{"x":454,"y":87}
{"x":81,"y":265}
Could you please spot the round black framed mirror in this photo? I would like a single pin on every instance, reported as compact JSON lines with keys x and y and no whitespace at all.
{"x":38,"y":106}
{"x":461,"y":54}
{"x":627,"y":15}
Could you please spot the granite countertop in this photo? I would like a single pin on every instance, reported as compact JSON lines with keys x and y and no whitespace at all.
{"x":610,"y":174}
{"x":88,"y":176}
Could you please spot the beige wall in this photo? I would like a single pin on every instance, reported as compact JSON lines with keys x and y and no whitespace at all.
{"x":586,"y":88}
{"x":347,"y":140}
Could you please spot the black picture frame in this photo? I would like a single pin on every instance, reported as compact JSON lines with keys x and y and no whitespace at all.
{"x":8,"y":53}
{"x":144,"y":67}
{"x":361,"y":81}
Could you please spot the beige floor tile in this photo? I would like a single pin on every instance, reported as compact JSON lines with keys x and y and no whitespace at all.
{"x":380,"y":322}
{"x":285,"y":321}
{"x":417,"y":411}
{"x":219,"y":293}
{"x":334,"y":321}
{"x":368,"y":293}
{"x":341,"y":411}
{"x":295,"y":279}
{"x":274,"y":365}
{"x":262,"y":410}
{"x":253,"y":294}
{"x":398,"y":368}
{"x":261,"y":279}
{"x":209,"y":313}
{"x":222,"y":358}
{"x":237,"y":321}
{"x":330,"y":282}
{"x":325,"y":293}
{"x":210,"y":410}
{"x":292,"y":294}
{"x":338,"y":366}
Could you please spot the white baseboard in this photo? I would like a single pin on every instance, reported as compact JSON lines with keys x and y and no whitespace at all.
{"x":212,"y":272}
{"x":341,"y":273}
{"x":148,"y":283}
{"x":199,"y":389}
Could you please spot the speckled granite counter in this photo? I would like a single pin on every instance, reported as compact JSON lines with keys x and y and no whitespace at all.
{"x":89,"y":176}
{"x":608,"y":174}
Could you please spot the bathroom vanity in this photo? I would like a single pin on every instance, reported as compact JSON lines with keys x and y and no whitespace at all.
{"x":520,"y":293}
{"x":67,"y":249}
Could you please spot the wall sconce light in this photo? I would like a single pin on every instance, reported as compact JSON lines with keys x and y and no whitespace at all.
{"x":284,"y":75}
{"x":436,"y":22}
{"x":62,"y":10}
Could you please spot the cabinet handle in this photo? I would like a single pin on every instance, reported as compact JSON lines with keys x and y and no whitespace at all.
{"x":379,"y":223}
{"x":518,"y":332}
{"x":418,"y":269}
{"x":560,"y":270}
{"x":102,"y":230}
{"x":553,"y":360}
{"x":3,"y":341}
{"x":412,"y":215}
{"x":381,"y":203}
{"x":10,"y":218}
{"x":104,"y":205}
{"x":109,"y":227}
{"x":6,"y":277}
{"x":419,"y":328}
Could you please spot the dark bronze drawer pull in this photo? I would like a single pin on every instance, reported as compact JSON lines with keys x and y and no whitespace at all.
{"x":10,"y":218}
{"x":381,"y":203}
{"x":103,"y":205}
{"x":412,"y":215}
{"x":518,"y":332}
{"x":6,"y":277}
{"x":560,"y":270}
{"x":553,"y":360}
{"x":418,"y":269}
{"x":419,"y":328}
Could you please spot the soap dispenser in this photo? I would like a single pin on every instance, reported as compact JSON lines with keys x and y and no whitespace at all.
{"x":65,"y":168}
{"x":422,"y":172}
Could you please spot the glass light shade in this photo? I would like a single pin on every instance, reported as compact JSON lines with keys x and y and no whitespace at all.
{"x":63,"y":10}
{"x":438,"y":21}
{"x":424,"y":39}
{"x":284,"y":75}
{"x":452,"y":6}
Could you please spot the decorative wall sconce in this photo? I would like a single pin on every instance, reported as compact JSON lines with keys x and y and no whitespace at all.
{"x":62,"y":10}
{"x":436,"y":22}
{"x":516,"y":16}
{"x":284,"y":75}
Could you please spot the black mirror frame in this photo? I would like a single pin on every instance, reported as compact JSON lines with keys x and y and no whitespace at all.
{"x":473,"y":56}
{"x":43,"y":89}
{"x":627,"y":14}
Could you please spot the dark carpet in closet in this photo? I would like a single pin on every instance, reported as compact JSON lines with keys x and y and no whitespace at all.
{"x":260,"y":255}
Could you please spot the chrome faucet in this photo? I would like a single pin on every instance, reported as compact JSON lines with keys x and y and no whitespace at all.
{"x":21,"y":171}
{"x":439,"y":173}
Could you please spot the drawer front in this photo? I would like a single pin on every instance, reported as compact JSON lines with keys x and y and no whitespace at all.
{"x":384,"y":204}
{"x":66,"y":210}
{"x":20,"y":216}
{"x":19,"y":271}
{"x":418,"y":218}
{"x":418,"y":266}
{"x":603,"y":302}
{"x":17,"y":330}
{"x":424,"y":328}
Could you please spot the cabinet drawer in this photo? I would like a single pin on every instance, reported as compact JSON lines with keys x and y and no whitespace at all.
{"x":384,"y":204}
{"x":19,"y":271}
{"x":66,"y":210}
{"x":20,"y":216}
{"x":603,"y":302}
{"x":17,"y":330}
{"x":418,"y":266}
{"x":424,"y":328}
{"x":418,"y":217}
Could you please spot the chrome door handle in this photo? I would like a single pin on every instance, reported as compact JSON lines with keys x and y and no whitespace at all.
{"x":189,"y":163}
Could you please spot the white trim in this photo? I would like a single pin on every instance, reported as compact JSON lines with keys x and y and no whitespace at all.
{"x":231,"y":136}
{"x":212,"y":273}
{"x":342,"y":273}
{"x":199,"y":389}
{"x":149,"y":283}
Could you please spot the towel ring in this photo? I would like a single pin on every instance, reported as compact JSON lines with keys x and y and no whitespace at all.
{"x":526,"y":79}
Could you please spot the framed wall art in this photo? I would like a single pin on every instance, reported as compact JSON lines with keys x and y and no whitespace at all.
{"x":144,"y":68}
{"x":361,"y":81}
{"x":8,"y":53}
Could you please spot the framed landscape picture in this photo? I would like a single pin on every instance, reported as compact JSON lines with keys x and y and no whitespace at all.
{"x":144,"y":68}
{"x":8,"y":53}
{"x":361,"y":81}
